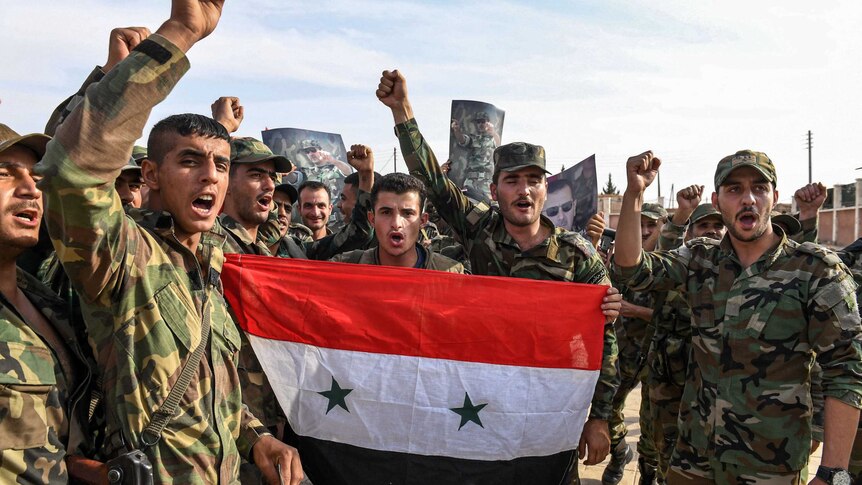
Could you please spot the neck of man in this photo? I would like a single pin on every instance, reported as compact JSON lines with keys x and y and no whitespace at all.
{"x":190,"y":241}
{"x":318,"y":234}
{"x":250,"y":227}
{"x":406,"y":260}
{"x":9,"y":273}
{"x":749,"y":252}
{"x":529,"y":236}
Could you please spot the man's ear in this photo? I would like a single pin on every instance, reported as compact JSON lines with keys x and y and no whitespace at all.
{"x":424,"y":218}
{"x":493,"y":191}
{"x":371,"y":217}
{"x":150,"y":173}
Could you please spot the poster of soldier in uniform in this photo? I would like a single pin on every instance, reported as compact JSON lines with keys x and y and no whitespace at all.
{"x":474,"y":132}
{"x":317,"y":155}
{"x":573,"y":196}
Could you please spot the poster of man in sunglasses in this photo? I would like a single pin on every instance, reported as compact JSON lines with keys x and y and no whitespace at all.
{"x":317,"y":155}
{"x":572,"y":196}
{"x":474,"y":132}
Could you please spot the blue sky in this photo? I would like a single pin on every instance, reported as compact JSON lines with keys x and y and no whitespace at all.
{"x":694,"y":81}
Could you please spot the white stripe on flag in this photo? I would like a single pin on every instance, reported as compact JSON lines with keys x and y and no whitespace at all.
{"x":404,"y":404}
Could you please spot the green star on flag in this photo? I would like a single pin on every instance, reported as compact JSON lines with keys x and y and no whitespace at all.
{"x":469,"y":412}
{"x":336,"y":396}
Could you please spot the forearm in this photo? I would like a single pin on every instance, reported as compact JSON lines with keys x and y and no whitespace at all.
{"x":642,"y":313}
{"x":627,"y":248}
{"x":251,"y":430}
{"x":402,"y":112}
{"x":671,"y":237}
{"x":839,"y":431}
{"x":601,"y":406}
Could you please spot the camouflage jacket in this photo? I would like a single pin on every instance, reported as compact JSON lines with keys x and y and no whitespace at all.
{"x":300,"y":232}
{"x":290,"y":247}
{"x":239,"y":241}
{"x":431,"y":259}
{"x":480,"y":150}
{"x":755,"y":332}
{"x":142,"y":292}
{"x":43,"y":399}
{"x":564,"y":256}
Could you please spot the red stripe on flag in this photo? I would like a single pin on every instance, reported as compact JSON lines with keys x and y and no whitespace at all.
{"x":421,"y":313}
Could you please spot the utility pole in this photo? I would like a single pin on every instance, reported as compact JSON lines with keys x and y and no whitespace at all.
{"x":809,"y":156}
{"x":659,"y":185}
{"x":395,"y":158}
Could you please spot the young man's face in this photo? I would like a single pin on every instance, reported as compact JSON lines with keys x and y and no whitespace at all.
{"x":191,"y":181}
{"x":521,"y":195}
{"x":710,"y":226}
{"x":314,"y":208}
{"x":648,"y":227}
{"x":20,"y":200}
{"x":285,"y":211}
{"x":128,"y":186}
{"x":560,"y":207}
{"x":397,"y":221}
{"x":745,"y":201}
{"x":250,"y":192}
{"x":346,"y":202}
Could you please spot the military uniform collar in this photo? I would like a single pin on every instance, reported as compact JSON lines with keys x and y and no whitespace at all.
{"x":766,"y":260}
{"x":162,"y":224}
{"x":231,"y":225}
{"x":549,"y":248}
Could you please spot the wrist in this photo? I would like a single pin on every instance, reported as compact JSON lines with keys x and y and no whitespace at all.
{"x":402,"y":112}
{"x":178,"y":35}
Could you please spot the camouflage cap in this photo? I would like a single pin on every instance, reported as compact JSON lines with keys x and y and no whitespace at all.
{"x":248,"y":150}
{"x":288,"y":190}
{"x":703,"y":210}
{"x":481,"y":116}
{"x":305,"y":144}
{"x":34,"y":141}
{"x":131,"y":165}
{"x":139,"y":153}
{"x":787,"y":221}
{"x":653,"y":211}
{"x":745,"y":158}
{"x":518,"y":155}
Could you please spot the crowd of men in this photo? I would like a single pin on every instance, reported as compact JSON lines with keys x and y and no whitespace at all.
{"x":120,"y":360}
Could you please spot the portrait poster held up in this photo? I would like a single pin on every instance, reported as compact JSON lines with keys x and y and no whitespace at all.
{"x":475,"y":131}
{"x":572,"y":196}
{"x":317,"y":156}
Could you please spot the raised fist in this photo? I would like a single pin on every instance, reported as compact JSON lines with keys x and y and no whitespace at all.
{"x":191,"y":21}
{"x":361,"y":158}
{"x":227,"y":111}
{"x":809,"y":200}
{"x":392,"y":90}
{"x":595,"y":227}
{"x":121,"y":42}
{"x":641,"y":170}
{"x":456,"y":127}
{"x":689,"y":198}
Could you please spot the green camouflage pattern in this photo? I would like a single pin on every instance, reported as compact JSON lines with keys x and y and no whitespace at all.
{"x":141,"y":291}
{"x":745,"y":158}
{"x":653,"y":211}
{"x":852,"y":257}
{"x":564,"y":256}
{"x":432,"y":261}
{"x":728,"y":474}
{"x":755,"y":333}
{"x":633,"y":337}
{"x":239,"y":241}
{"x":671,"y":236}
{"x":327,"y":174}
{"x":479,"y":164}
{"x":300,"y":232}
{"x":250,"y":150}
{"x":42,"y":411}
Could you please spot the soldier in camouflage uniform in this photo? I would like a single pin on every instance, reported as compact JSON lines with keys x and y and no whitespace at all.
{"x":480,"y":150}
{"x":324,"y":168}
{"x":44,"y":373}
{"x":287,"y":245}
{"x":148,"y":292}
{"x":634,"y":332}
{"x":494,"y":238}
{"x":762,"y":306}
{"x":852,"y":257}
{"x":398,"y":200}
{"x":670,"y":345}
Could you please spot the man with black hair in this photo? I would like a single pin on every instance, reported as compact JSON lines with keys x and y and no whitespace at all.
{"x":150,"y":289}
{"x":398,"y":202}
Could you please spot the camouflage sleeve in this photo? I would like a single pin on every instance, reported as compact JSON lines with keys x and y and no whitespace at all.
{"x":817,"y":403}
{"x":68,"y":105}
{"x":657,"y":271}
{"x":356,"y":235}
{"x":84,"y":214}
{"x":269,"y":232}
{"x":450,"y":203}
{"x":809,"y":231}
{"x":835,"y":334}
{"x":671,"y":237}
{"x":592,"y":270}
{"x":250,"y":431}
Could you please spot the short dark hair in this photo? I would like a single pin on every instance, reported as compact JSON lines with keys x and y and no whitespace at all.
{"x":559,"y":183}
{"x":186,"y":124}
{"x":313,"y":185}
{"x":399,"y":183}
{"x":353,"y":178}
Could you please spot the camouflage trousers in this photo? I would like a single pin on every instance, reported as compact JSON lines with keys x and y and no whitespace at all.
{"x":726,"y":474}
{"x":665,"y":382}
{"x":632,"y":371}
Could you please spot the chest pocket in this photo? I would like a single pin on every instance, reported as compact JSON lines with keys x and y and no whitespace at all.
{"x":25,"y":416}
{"x":754,"y":308}
{"x":178,"y":315}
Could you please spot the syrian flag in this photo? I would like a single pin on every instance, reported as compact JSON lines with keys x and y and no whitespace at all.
{"x":404,"y":376}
